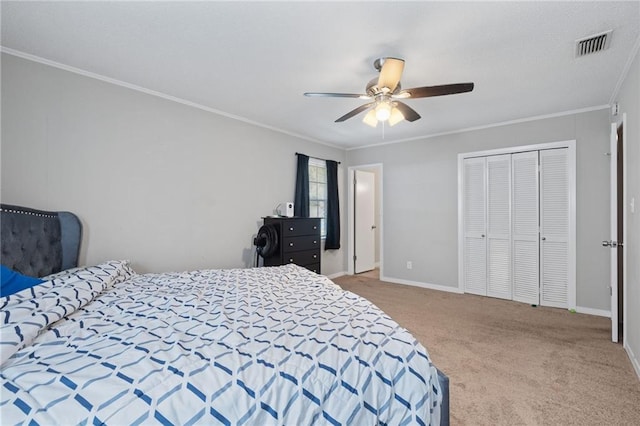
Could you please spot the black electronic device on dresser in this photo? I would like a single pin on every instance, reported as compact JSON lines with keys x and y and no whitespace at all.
{"x":298,"y":242}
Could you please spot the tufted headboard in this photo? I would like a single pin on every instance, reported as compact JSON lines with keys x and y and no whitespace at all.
{"x":37,"y":242}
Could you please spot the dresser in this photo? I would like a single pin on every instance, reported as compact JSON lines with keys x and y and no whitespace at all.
{"x":298,"y":242}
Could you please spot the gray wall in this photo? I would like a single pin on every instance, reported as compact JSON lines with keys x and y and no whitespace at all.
{"x":629,"y":102}
{"x":420,"y":198}
{"x":168,"y":186}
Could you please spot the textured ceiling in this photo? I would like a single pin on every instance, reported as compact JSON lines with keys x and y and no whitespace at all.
{"x":254,"y":60}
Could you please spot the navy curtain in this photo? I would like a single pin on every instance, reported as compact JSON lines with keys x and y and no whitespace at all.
{"x":332,"y":241}
{"x":301,"y":201}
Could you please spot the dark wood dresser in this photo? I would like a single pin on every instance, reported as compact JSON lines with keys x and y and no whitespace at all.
{"x":298,"y":242}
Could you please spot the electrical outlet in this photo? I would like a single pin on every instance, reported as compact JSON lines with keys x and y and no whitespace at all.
{"x":409,"y":264}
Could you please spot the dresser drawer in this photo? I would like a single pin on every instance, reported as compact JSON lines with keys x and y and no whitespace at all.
{"x":297,"y":227}
{"x":303,"y":258}
{"x":308,"y":242}
{"x":313,"y":268}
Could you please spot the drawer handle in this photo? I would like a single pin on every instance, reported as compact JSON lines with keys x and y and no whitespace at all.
{"x":291,"y":228}
{"x":315,"y":256}
{"x":290,"y":244}
{"x":315,"y":227}
{"x":315,"y":242}
{"x":290,"y":260}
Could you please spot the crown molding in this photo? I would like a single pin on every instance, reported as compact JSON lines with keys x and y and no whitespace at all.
{"x":625,"y":71}
{"x":96,"y":76}
{"x":488,"y":126}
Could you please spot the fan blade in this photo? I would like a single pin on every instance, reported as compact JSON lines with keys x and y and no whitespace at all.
{"x":445,"y":89}
{"x":390,"y":73}
{"x":355,"y":112}
{"x":336,"y":95}
{"x":409,"y":113}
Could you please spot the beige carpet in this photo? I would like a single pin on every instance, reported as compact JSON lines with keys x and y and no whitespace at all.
{"x":513,"y":364}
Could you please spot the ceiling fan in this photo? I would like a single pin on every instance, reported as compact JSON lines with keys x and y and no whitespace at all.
{"x":386,"y":92}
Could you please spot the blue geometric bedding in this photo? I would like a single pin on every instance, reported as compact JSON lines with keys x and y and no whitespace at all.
{"x":263,"y":346}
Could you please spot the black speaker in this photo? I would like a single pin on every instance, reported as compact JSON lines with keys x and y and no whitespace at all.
{"x":266,"y":241}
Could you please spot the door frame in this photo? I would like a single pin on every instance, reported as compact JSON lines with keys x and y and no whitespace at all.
{"x":613,"y":231}
{"x":623,"y":205}
{"x":571,"y":158}
{"x":377,"y":167}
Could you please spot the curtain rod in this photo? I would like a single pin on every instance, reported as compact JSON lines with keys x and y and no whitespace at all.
{"x":299,"y":153}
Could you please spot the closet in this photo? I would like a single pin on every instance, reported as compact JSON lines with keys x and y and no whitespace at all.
{"x":517,"y":224}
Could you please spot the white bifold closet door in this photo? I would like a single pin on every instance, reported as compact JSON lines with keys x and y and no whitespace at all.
{"x":526,"y":283}
{"x":517,"y":227}
{"x":474,"y":226}
{"x":554,"y":227}
{"x":499,"y":226}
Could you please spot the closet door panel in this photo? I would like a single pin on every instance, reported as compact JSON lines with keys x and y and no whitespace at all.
{"x":554,"y":227}
{"x":474,"y":226}
{"x":554,"y":258}
{"x":475,"y":266}
{"x":526,"y":283}
{"x":499,"y":226}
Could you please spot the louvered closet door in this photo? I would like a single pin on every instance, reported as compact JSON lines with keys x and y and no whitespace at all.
{"x":554,"y":227}
{"x":526,"y":282}
{"x":499,"y":226}
{"x":474,"y":217}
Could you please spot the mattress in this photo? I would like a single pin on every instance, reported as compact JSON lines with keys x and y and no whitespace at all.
{"x":277,"y":345}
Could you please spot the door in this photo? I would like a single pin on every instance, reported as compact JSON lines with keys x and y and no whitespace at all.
{"x":499,"y":226}
{"x":364,"y":221}
{"x":554,"y":228}
{"x":526,"y":282}
{"x":613,"y":241}
{"x":474,"y":226}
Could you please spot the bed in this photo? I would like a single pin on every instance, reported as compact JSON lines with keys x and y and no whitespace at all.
{"x":277,"y":345}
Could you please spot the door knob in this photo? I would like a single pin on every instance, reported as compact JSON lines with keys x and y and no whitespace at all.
{"x":544,"y":238}
{"x":610,"y":243}
{"x":373,"y":227}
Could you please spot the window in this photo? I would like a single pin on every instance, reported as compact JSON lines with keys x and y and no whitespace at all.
{"x":318,"y":192}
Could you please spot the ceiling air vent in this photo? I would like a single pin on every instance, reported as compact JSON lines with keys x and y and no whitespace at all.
{"x":592,"y":44}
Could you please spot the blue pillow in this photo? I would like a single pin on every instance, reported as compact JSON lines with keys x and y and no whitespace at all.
{"x":13,"y":282}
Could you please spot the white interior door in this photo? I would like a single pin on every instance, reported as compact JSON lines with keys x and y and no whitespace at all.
{"x":364,"y":221}
{"x":499,"y":226}
{"x":474,"y":226}
{"x":554,"y":228}
{"x":526,"y":282}
{"x":612,"y":243}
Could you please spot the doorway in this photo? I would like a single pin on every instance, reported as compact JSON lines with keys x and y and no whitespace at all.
{"x":618,"y":264}
{"x":620,"y":231}
{"x":365,"y":242}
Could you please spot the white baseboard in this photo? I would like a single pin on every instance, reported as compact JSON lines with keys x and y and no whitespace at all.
{"x":376,"y":265}
{"x":634,"y":360}
{"x":430,"y":286}
{"x":591,"y":311}
{"x":336,"y":275}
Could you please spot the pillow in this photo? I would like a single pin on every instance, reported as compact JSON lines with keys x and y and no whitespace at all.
{"x":13,"y":282}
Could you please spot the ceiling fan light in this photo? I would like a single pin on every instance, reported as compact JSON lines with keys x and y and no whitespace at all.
{"x":370,"y":118}
{"x":383,"y":111}
{"x":395,"y":117}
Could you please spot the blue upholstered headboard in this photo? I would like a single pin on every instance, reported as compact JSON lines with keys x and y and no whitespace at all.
{"x":37,"y":242}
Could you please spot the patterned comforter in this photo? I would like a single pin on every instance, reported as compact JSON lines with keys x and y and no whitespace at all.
{"x":260,"y":346}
